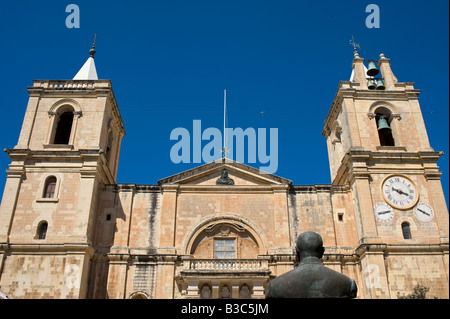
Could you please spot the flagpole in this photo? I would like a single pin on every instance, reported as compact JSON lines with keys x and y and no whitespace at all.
{"x":224,"y":120}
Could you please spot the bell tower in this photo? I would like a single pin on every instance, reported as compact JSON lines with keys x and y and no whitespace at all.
{"x":378,"y":147}
{"x":68,"y":149}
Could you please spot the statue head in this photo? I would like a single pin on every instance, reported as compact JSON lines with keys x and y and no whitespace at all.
{"x":224,"y":173}
{"x":309,"y":244}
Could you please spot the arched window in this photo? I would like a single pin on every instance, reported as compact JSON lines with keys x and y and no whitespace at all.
{"x":226,"y":239}
{"x":406,"y":230}
{"x":64,"y":128}
{"x":42,"y":230}
{"x":383,"y":118}
{"x":49,"y":187}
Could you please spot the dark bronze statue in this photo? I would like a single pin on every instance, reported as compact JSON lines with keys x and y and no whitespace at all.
{"x":311,"y":279}
{"x":224,"y":179}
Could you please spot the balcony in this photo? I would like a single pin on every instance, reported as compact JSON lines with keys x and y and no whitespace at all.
{"x":222,"y":275}
{"x":225,"y":266}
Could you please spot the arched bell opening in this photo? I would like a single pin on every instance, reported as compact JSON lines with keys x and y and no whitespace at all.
{"x":383,"y":117}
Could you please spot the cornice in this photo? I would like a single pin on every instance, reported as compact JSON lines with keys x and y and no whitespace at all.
{"x":226,"y":188}
{"x":357,"y":164}
{"x":45,"y":248}
{"x":389,"y":249}
{"x":209,"y":168}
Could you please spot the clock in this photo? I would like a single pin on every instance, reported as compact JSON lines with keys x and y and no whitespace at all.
{"x":383,"y":212}
{"x":399,"y":192}
{"x":423,"y":212}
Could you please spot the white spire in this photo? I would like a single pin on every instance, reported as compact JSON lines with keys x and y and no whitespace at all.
{"x":88,"y":70}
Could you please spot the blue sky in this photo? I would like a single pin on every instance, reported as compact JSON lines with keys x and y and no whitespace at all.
{"x":169,"y":62}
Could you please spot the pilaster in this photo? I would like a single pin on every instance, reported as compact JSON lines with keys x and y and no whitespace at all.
{"x":117,"y":276}
{"x":374,"y":277}
{"x":14,"y":177}
{"x":168,"y":216}
{"x":28,"y":121}
{"x":124,"y":215}
{"x":281,"y":216}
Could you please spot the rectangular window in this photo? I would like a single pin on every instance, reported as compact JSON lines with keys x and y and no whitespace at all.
{"x":50,"y":191}
{"x":224,"y":248}
{"x":50,"y":186}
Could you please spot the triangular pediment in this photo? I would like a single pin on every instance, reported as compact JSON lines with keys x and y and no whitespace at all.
{"x":208,"y":174}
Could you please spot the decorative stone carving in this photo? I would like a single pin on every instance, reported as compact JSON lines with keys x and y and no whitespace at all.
{"x":224,"y":179}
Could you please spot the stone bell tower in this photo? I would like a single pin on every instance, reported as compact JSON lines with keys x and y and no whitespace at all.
{"x":68,"y":149}
{"x":378,"y":147}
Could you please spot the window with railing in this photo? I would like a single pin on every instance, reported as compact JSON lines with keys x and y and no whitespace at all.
{"x":224,"y":248}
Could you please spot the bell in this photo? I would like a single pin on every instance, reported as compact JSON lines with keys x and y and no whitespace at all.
{"x":383,"y":124}
{"x":371,"y":84}
{"x":380,"y":85}
{"x":372,"y":71}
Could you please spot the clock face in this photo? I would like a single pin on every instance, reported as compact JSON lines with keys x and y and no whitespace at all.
{"x":423,"y":212}
{"x":383,"y":212}
{"x":399,"y":192}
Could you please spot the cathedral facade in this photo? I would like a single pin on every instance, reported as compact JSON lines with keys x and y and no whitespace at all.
{"x":223,"y":229}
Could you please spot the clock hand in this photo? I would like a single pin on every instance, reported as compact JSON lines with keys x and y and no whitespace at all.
{"x":399,"y":191}
{"x":384,"y":212}
{"x":423,"y":211}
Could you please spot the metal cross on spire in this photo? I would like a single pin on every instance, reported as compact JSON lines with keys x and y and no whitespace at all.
{"x":354,"y":44}
{"x":92,"y":50}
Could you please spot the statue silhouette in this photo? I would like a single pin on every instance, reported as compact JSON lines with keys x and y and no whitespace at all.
{"x":311,"y":279}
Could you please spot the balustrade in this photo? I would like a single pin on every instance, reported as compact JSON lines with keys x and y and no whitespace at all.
{"x":234,"y":265}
